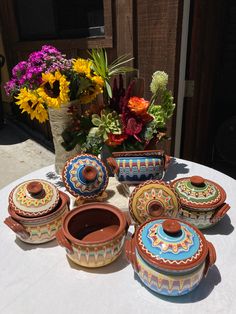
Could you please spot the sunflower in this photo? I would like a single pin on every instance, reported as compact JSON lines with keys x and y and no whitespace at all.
{"x":82,"y":66}
{"x":30,"y":102}
{"x":89,"y":94}
{"x":54,"y":89}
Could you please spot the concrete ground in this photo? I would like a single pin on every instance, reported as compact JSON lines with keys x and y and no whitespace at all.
{"x":20,"y":155}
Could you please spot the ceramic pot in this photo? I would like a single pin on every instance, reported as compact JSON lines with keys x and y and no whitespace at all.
{"x":170,"y":256}
{"x":36,"y":209}
{"x":134,"y":167}
{"x":85,"y":176}
{"x":202,"y":201}
{"x":153,"y":199}
{"x":93,"y":234}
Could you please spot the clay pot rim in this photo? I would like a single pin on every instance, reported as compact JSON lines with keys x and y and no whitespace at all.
{"x":73,"y":192}
{"x":17,"y":211}
{"x":63,"y":197}
{"x":89,"y":206}
{"x":141,"y":185}
{"x":170,"y":267}
{"x":192,"y":206}
{"x":140,"y":153}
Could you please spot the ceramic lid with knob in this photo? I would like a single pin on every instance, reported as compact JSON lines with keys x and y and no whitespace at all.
{"x":85,"y":176}
{"x":199,"y":193}
{"x":33,"y":198}
{"x":171,"y":244}
{"x":153,"y":199}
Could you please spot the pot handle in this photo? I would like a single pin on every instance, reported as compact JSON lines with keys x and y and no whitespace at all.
{"x":211,"y":257}
{"x":113,"y":164}
{"x":17,"y":228}
{"x":167,"y":160}
{"x":220,"y":213}
{"x":130,"y":253}
{"x":62,"y":241}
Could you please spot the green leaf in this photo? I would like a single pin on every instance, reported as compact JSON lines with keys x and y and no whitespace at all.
{"x":108,"y":88}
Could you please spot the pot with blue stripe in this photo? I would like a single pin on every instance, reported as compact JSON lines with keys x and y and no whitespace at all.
{"x":134,"y":167}
{"x":170,"y":256}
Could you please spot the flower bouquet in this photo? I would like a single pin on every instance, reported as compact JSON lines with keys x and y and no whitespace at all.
{"x":98,"y":114}
{"x":123,"y":122}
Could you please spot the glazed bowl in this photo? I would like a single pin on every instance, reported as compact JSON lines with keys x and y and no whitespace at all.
{"x":36,"y":209}
{"x":85,"y":176}
{"x":134,"y":167}
{"x":93,"y":234}
{"x":170,"y":256}
{"x":202,"y":201}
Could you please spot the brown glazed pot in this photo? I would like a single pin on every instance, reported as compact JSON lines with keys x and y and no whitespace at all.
{"x":93,"y":234}
{"x":170,"y":256}
{"x":36,"y":209}
{"x":202,"y":201}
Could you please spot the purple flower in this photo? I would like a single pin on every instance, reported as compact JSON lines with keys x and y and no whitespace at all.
{"x":10,"y":87}
{"x":19,"y":69}
{"x":50,"y":50}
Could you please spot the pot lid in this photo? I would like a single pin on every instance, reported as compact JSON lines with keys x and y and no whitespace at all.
{"x":171,"y":244}
{"x":34,"y":198}
{"x":85,"y":175}
{"x":153,"y":199}
{"x":199,"y":193}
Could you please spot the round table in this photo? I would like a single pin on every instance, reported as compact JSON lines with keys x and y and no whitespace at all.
{"x":40,"y":279}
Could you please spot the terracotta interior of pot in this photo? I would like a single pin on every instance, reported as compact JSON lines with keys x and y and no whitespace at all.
{"x":93,"y":225}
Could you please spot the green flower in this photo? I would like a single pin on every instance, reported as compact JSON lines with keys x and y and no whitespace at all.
{"x":108,"y":122}
{"x":159,"y":81}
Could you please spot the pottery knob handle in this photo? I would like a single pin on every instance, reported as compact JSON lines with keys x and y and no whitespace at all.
{"x":17,"y":228}
{"x":171,"y":226}
{"x":211,"y":257}
{"x":62,"y":241}
{"x":155,"y":209}
{"x":34,"y":187}
{"x":89,"y":173}
{"x":220,"y":213}
{"x":197,"y":180}
{"x":113,"y":164}
{"x":130,"y":254}
{"x":167,"y":160}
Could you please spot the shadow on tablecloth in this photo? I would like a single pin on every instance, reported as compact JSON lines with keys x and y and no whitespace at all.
{"x":174,"y":169}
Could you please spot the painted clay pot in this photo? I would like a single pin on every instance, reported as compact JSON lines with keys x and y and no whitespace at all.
{"x":134,"y":167}
{"x":153,"y":199}
{"x":85,"y":176}
{"x":93,"y":234}
{"x":202,"y":201}
{"x":36,"y":209}
{"x":170,"y":256}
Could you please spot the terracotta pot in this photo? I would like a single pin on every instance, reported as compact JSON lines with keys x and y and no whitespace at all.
{"x":93,"y":234}
{"x":134,"y":167}
{"x":85,"y":176}
{"x":153,"y":199}
{"x":36,"y":209}
{"x":170,"y":256}
{"x":202,"y":201}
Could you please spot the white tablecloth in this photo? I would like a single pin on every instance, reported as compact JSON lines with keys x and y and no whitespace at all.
{"x":39,"y":278}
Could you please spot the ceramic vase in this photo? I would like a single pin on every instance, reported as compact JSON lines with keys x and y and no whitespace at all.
{"x":60,"y":119}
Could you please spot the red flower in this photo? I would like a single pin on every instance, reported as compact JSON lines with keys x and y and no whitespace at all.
{"x":116,"y":139}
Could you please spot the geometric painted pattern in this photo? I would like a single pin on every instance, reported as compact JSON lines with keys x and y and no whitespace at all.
{"x":170,"y":284}
{"x":97,"y":255}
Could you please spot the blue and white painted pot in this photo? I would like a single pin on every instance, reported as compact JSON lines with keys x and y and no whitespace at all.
{"x":134,"y":167}
{"x":170,"y":256}
{"x":85,"y":176}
